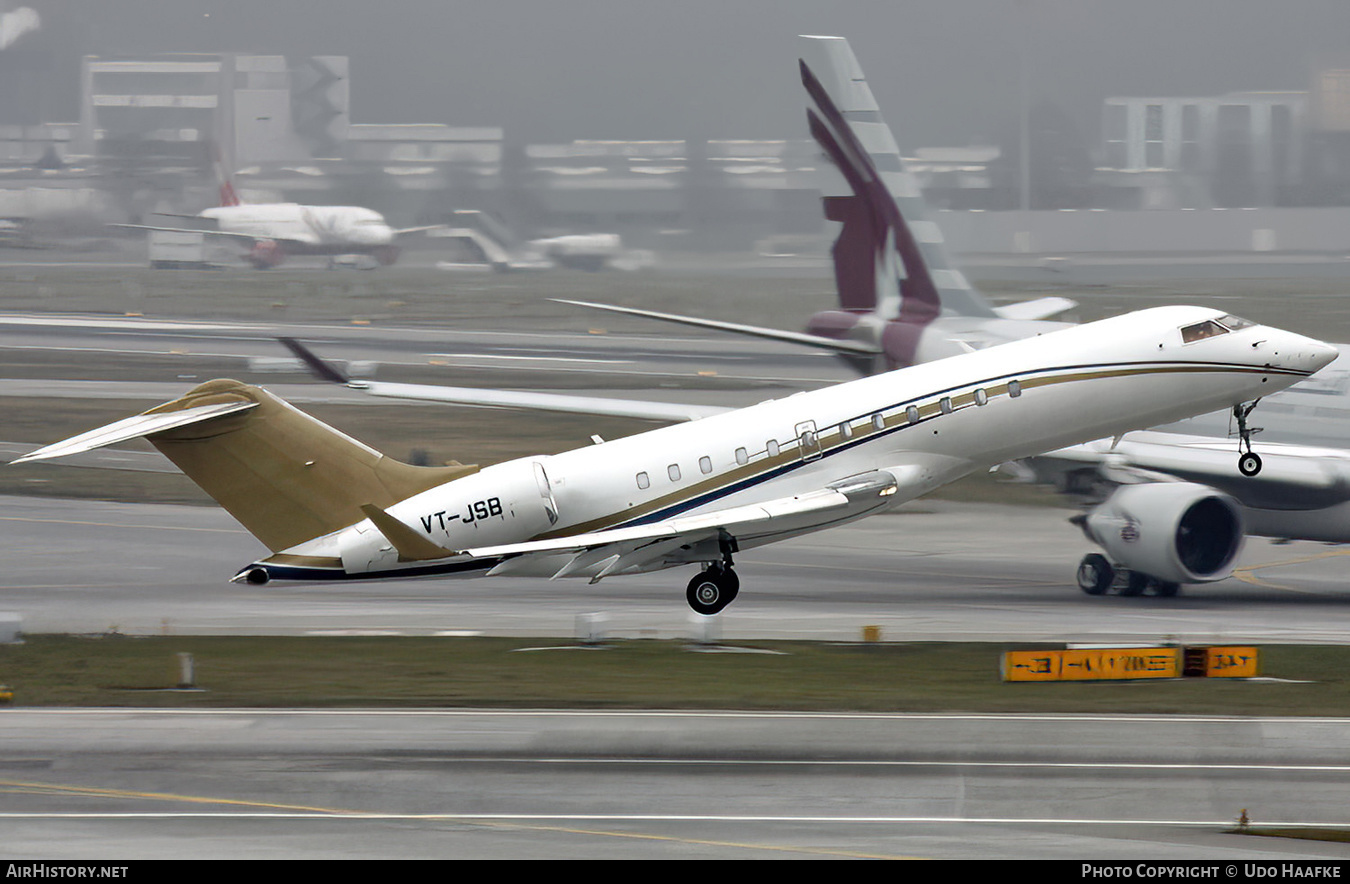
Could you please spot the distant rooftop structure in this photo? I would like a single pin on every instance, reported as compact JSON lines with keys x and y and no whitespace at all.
{"x":255,"y":108}
{"x":1247,"y":145}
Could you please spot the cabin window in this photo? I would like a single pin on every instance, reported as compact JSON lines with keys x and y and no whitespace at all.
{"x":742,"y":456}
{"x":705,"y":464}
{"x":771,"y":447}
{"x":945,"y":404}
{"x":1014,"y":389}
{"x":878,"y":422}
{"x":644,"y":481}
{"x":846,"y":430}
{"x":912,"y":414}
{"x":981,"y":397}
{"x":1201,"y":330}
{"x":673,"y":471}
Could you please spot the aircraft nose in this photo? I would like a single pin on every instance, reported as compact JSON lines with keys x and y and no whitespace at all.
{"x":1322,"y":354}
{"x":1298,"y":352}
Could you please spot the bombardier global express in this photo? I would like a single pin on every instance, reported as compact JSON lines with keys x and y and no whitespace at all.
{"x":698,"y":492}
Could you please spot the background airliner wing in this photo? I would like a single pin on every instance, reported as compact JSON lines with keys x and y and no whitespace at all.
{"x":642,"y":410}
{"x":1039,"y":308}
{"x":228,"y":233}
{"x":401,"y":231}
{"x":1291,"y":476}
{"x":840,"y":346}
{"x":622,"y":549}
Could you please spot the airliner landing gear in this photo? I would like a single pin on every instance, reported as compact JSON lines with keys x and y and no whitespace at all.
{"x":1249,"y":462}
{"x":713,"y":589}
{"x":1097,"y":576}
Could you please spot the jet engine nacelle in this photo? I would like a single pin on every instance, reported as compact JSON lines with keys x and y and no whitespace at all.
{"x":1178,"y":532}
{"x":266,"y":254}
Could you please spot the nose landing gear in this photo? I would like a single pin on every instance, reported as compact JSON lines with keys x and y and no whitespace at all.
{"x":1249,"y":462}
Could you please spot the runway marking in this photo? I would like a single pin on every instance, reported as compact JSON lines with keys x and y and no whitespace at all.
{"x":642,"y":836}
{"x":671,"y":713}
{"x":1244,"y":573}
{"x":31,"y":788}
{"x":473,"y":818}
{"x":119,"y":525}
{"x":505,"y":821}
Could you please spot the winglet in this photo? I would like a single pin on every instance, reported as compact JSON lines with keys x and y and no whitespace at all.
{"x":411,"y":546}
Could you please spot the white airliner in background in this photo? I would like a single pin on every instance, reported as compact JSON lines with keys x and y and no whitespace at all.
{"x":696,"y":493}
{"x":275,"y":230}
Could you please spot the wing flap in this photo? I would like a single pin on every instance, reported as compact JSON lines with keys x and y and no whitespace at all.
{"x":690,"y":528}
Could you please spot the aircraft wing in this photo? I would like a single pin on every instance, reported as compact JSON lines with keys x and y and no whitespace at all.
{"x":405,"y":230}
{"x":1040,"y":308}
{"x":1291,"y":476}
{"x":227,"y":233}
{"x":834,"y":344}
{"x":643,"y":410}
{"x":632,"y":548}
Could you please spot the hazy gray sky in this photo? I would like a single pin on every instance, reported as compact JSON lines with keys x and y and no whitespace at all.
{"x":944,"y":71}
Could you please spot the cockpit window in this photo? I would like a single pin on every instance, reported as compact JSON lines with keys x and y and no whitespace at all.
{"x":1201,"y":330}
{"x":1235,"y":323}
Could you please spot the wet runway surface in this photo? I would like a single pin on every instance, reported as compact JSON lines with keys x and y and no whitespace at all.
{"x":477,"y":784}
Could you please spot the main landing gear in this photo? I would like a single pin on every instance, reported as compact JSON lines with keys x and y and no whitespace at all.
{"x":717,"y":585}
{"x":1096,"y":576}
{"x":1249,"y":462}
{"x":713,"y":589}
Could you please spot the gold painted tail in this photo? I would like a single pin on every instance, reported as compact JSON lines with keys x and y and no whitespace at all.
{"x":287,"y":477}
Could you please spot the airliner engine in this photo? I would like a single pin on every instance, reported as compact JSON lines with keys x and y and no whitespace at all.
{"x":1162,"y":534}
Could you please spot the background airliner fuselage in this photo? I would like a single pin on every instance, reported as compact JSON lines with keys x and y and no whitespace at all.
{"x":342,"y":227}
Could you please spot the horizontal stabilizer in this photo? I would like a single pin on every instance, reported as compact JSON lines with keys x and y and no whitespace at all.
{"x":134,"y":428}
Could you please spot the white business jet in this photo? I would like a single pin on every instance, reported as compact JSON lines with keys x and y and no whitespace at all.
{"x":697,"y":492}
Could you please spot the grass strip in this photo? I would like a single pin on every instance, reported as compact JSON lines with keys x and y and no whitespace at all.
{"x":435,"y":672}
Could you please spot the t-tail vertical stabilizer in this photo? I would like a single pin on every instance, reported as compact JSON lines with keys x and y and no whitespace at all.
{"x":901,"y":301}
{"x":840,"y":96}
